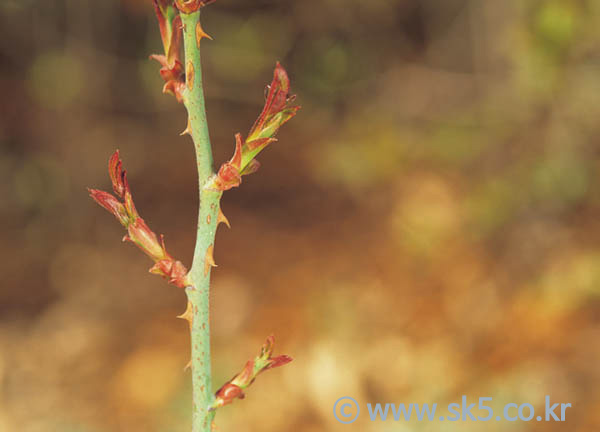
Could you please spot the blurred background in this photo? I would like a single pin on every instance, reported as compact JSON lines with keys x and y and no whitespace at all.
{"x":427,"y":226}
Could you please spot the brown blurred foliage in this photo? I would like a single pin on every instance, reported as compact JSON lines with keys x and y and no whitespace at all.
{"x":427,"y":227}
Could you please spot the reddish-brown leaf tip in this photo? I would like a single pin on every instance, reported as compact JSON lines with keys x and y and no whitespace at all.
{"x":110,"y":203}
{"x":279,"y":361}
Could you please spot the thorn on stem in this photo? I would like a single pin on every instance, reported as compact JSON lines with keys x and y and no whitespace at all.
{"x":209,"y":260}
{"x":188,"y":315}
{"x":200,"y":34}
{"x":223,"y":219}
{"x":188,"y":129}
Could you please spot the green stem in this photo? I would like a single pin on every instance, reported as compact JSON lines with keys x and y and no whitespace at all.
{"x":198,"y":293}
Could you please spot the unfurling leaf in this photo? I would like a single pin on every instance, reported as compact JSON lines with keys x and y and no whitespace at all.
{"x":235,"y":387}
{"x":276,"y":112}
{"x":138,"y":232}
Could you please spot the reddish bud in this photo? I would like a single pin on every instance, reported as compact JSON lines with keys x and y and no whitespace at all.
{"x":276,"y":112}
{"x":175,"y":88}
{"x":138,"y":232}
{"x":169,"y":72}
{"x":234,"y":388}
{"x":229,"y":175}
{"x":118,"y":177}
{"x":227,"y":394}
{"x":172,"y":270}
{"x":173,"y":76}
{"x":170,"y":26}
